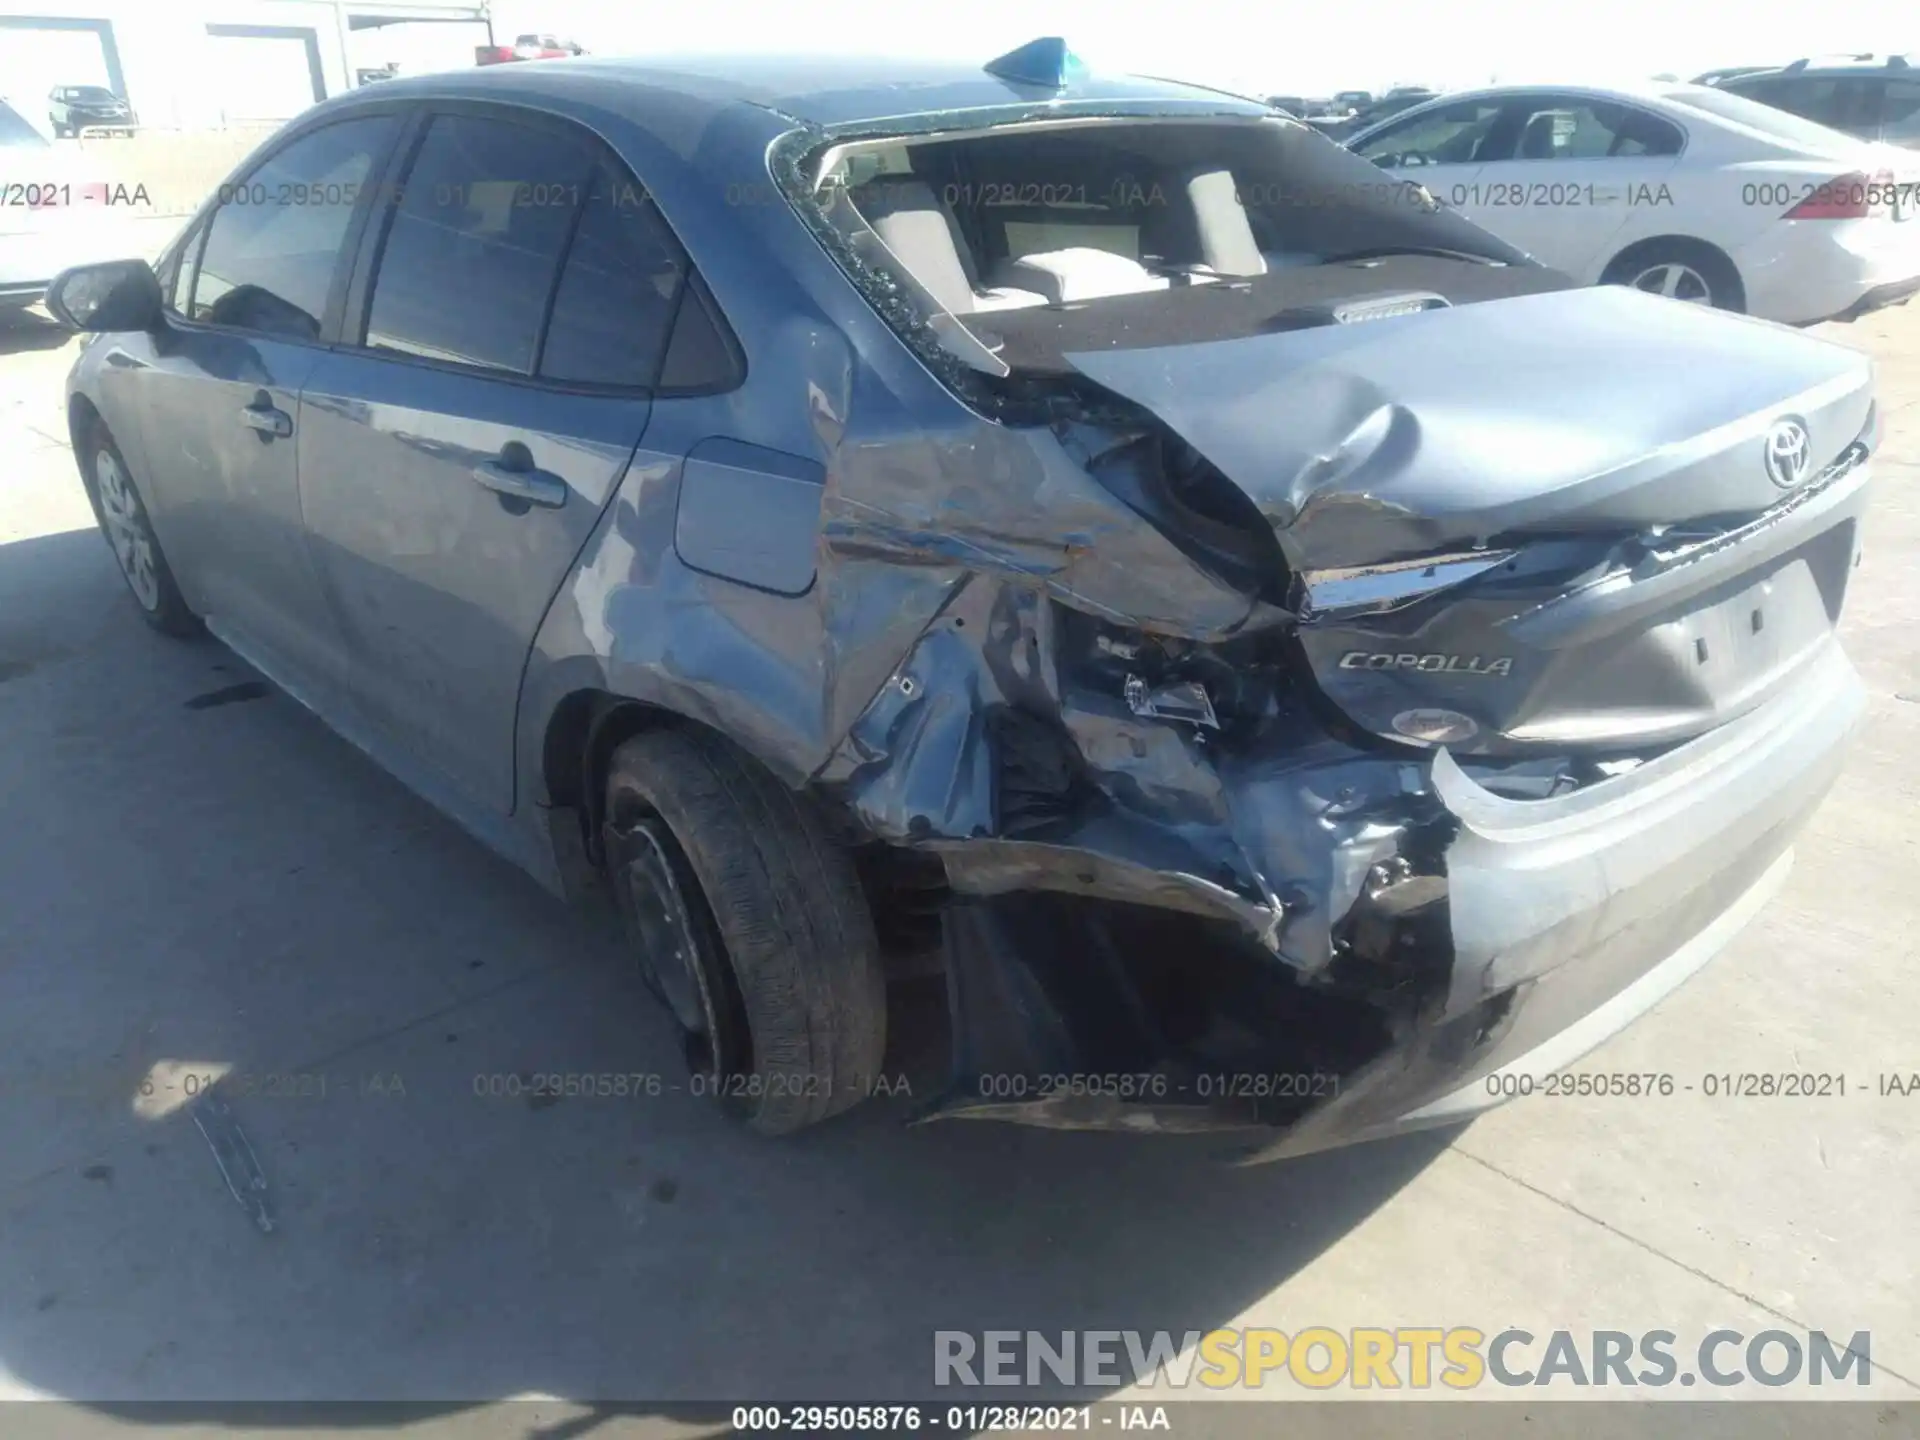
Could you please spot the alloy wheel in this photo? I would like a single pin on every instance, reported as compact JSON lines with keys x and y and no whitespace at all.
{"x":1675,"y":281}
{"x":125,"y":520}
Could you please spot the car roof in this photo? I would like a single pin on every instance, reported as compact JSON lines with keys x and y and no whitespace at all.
{"x":826,"y":91}
{"x":1813,"y":69}
{"x":1644,"y":92}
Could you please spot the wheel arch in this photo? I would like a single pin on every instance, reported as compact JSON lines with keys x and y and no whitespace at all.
{"x":1671,"y":241}
{"x":580,"y":734}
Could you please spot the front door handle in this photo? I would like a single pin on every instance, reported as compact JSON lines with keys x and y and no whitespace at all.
{"x":535,"y":486}
{"x":268,"y":419}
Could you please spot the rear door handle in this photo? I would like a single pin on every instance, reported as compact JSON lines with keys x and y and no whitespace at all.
{"x":265,"y":417}
{"x":535,"y":486}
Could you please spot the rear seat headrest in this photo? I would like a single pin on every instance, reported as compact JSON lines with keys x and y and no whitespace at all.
{"x":923,"y":236}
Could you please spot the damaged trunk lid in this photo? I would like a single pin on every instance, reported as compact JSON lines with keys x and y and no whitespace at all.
{"x":1592,"y":518}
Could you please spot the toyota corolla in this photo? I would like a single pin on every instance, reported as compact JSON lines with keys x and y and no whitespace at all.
{"x":1289,"y":660}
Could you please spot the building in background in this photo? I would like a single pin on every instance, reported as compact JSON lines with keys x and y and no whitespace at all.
{"x":194,"y":64}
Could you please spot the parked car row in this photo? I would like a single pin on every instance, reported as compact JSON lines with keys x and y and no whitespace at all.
{"x":528,"y":47}
{"x":1690,"y":191}
{"x":1351,"y":111}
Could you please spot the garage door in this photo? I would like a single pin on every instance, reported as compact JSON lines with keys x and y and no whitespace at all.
{"x":257,"y":75}
{"x":33,"y":61}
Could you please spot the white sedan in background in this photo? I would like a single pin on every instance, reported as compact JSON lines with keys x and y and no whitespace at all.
{"x":54,"y":214}
{"x":1680,"y":189}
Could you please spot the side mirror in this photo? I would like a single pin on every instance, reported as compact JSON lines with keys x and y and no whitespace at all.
{"x":116,"y":295}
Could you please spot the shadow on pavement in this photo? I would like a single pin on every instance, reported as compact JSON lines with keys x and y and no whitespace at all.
{"x":196,"y":886}
{"x":24,"y":330}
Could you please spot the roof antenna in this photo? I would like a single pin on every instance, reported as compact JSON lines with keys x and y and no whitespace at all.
{"x":1046,"y":62}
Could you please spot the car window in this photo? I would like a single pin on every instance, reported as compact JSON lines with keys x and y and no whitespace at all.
{"x":474,"y":245}
{"x":1450,"y":135}
{"x":274,"y":243}
{"x":1900,"y":112}
{"x":1837,"y":101}
{"x":175,"y":271}
{"x":1734,"y":105}
{"x":702,"y":354}
{"x":618,"y":290}
{"x":1572,"y":128}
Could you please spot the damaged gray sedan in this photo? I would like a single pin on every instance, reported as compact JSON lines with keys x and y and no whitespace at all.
{"x":1291,"y":662}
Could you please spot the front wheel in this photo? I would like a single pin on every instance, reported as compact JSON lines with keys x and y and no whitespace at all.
{"x":129,"y":533}
{"x":750,"y":924}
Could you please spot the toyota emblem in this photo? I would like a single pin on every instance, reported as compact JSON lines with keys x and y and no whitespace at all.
{"x":1789,"y":452}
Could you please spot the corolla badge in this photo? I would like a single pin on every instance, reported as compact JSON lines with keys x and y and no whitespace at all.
{"x":1789,"y":453}
{"x":1429,"y":664}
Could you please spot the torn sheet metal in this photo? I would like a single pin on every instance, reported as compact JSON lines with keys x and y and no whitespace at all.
{"x":1083,"y":629}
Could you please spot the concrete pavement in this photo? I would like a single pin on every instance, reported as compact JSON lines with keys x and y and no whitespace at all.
{"x":195,"y":874}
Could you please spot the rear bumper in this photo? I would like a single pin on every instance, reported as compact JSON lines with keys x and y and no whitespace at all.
{"x":1563,"y":919}
{"x":1572,"y":916}
{"x":1800,"y":272}
{"x":1880,"y":297}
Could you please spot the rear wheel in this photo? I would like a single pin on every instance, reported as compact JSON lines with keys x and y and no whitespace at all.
{"x":1690,"y":271}
{"x":749,"y":923}
{"x":129,"y":533}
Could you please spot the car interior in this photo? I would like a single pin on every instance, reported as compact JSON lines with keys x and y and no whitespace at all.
{"x":1116,"y":232}
{"x":1036,"y":217}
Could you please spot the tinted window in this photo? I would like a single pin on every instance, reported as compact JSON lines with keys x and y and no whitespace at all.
{"x":700,"y":355}
{"x":1840,"y":102}
{"x":1752,"y":114}
{"x":471,"y":255}
{"x":176,"y":272}
{"x":1570,"y":128}
{"x":1450,"y":135}
{"x":618,"y":291}
{"x":1900,"y":112}
{"x":272,"y":248}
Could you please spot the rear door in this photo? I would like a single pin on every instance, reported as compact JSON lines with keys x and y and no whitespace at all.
{"x":1573,"y":172}
{"x":509,"y":316}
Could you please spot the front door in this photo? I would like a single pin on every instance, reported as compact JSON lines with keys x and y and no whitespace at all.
{"x":452,"y":465}
{"x":220,"y":395}
{"x":1441,"y":147}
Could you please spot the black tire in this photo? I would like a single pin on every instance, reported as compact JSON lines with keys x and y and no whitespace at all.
{"x":120,"y":505}
{"x":1674,"y":255}
{"x":780,"y":943}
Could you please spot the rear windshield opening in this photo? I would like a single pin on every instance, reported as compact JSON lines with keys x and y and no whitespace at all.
{"x":1039,"y":239}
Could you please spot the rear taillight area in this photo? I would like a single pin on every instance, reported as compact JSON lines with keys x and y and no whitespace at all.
{"x":1854,"y":196}
{"x":493,"y":54}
